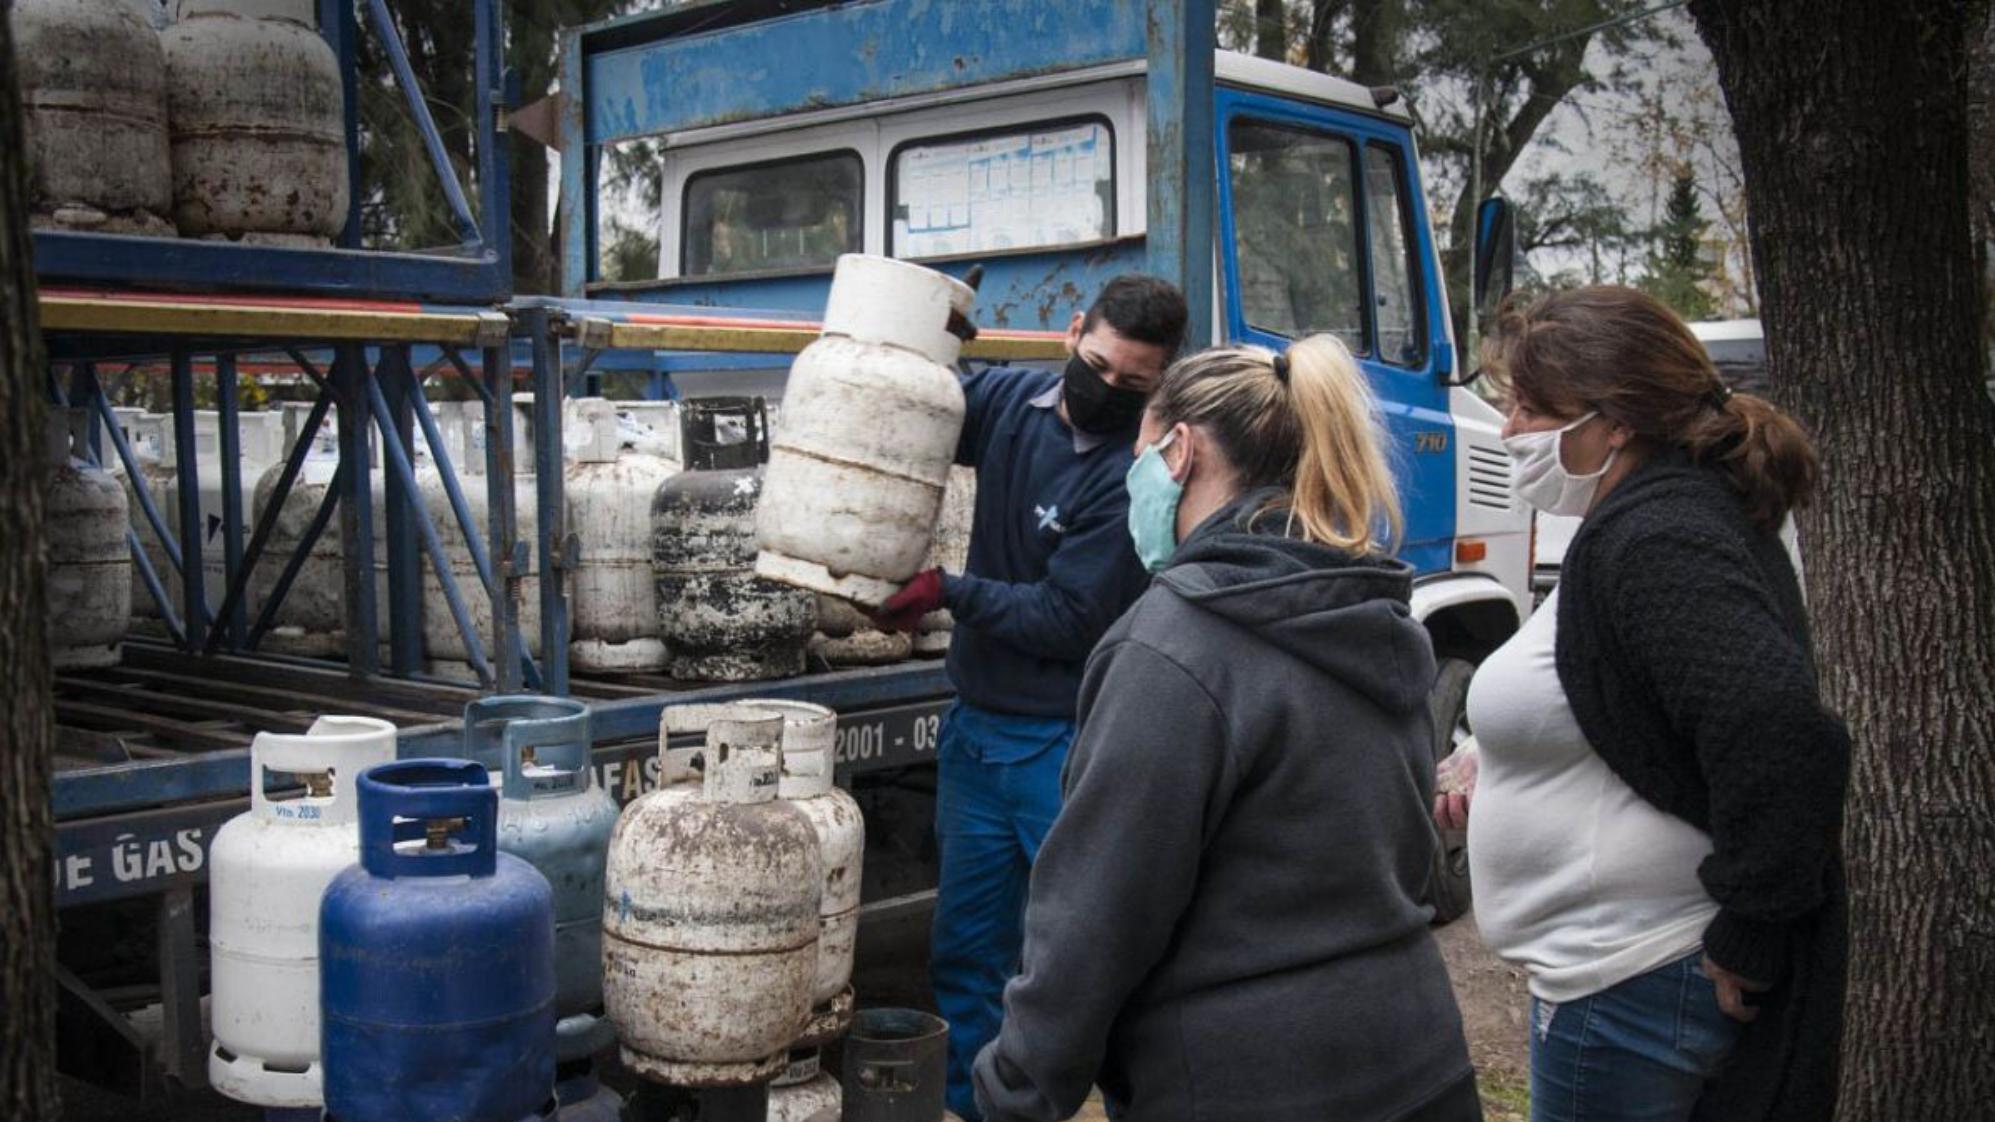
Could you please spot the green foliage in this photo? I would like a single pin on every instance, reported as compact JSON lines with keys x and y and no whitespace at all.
{"x":1677,"y":266}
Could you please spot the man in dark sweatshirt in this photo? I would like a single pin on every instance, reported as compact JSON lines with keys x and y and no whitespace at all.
{"x":1050,"y":567}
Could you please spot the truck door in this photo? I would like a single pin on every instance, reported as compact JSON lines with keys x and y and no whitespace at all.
{"x":1322,"y":229}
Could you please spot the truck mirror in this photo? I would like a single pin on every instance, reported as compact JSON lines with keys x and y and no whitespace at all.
{"x":1495,"y":253}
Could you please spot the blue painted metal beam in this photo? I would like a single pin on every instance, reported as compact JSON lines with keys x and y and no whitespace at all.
{"x":189,"y":486}
{"x":405,"y":581}
{"x":187,"y":264}
{"x":1179,"y":136}
{"x":233,"y":622}
{"x":350,"y":379}
{"x":502,"y":520}
{"x":553,"y":524}
{"x":865,"y":51}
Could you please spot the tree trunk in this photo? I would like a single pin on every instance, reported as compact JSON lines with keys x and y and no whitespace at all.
{"x":1271,"y":29}
{"x":27,"y":900}
{"x":1851,"y":119}
{"x":1375,"y":34}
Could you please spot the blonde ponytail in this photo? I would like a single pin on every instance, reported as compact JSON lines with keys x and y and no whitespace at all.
{"x":1343,"y":493}
{"x":1305,"y":422}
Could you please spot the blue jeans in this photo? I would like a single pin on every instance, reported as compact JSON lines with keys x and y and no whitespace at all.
{"x":1640,"y":1051}
{"x":996,"y":796}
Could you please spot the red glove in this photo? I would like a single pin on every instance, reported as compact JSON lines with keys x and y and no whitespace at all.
{"x":904,"y":609}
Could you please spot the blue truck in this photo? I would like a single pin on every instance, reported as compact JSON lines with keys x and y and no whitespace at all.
{"x":1056,"y":144}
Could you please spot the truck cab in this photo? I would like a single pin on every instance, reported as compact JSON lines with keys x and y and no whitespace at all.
{"x":1041,"y":174}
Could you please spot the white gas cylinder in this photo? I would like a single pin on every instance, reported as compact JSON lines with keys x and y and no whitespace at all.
{"x":710,"y":918}
{"x":267,"y":869}
{"x":93,"y":88}
{"x":312,"y":619}
{"x":610,"y":485}
{"x":89,"y":564}
{"x":258,"y":123}
{"x":810,"y":735}
{"x":950,"y":552}
{"x":871,"y":416}
{"x":804,"y":1090}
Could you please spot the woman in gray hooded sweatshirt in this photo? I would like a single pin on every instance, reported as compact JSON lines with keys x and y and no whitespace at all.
{"x":1226,"y":922}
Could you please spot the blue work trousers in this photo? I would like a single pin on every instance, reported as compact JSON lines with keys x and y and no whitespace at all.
{"x":996,"y":796}
{"x":1640,"y":1051}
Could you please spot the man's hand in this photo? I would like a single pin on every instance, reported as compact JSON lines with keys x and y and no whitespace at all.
{"x":1454,"y":786}
{"x":904,"y":609}
{"x":1732,"y":991}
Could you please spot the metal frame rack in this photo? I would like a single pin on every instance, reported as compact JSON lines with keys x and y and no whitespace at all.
{"x":477,"y":270}
{"x":155,"y":755}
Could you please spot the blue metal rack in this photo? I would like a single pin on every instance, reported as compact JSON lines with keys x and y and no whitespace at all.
{"x":477,"y":270}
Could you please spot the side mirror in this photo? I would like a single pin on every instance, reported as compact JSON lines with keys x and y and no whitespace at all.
{"x":1495,"y":253}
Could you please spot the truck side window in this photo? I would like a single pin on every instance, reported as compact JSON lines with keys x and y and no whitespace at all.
{"x":787,"y":214}
{"x":1388,"y":218}
{"x":1042,"y":185}
{"x":1295,"y":210}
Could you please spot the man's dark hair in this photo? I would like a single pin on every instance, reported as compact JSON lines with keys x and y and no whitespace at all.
{"x":1143,"y":308}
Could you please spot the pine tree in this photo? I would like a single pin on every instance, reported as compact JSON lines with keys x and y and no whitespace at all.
{"x":1677,"y":267}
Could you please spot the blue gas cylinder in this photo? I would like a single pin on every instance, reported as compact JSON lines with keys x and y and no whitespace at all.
{"x":436,"y":959}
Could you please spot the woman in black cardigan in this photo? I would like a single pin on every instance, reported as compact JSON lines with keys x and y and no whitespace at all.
{"x":1658,"y":795}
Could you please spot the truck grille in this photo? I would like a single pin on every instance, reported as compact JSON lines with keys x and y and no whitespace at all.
{"x":1489,"y":478}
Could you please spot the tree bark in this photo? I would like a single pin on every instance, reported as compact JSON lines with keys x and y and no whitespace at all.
{"x":1319,"y":52}
{"x":1375,"y":35}
{"x":27,"y":899}
{"x":1271,"y":29}
{"x":1852,"y":126}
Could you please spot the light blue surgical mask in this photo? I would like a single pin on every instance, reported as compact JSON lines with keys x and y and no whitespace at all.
{"x":1153,"y":506}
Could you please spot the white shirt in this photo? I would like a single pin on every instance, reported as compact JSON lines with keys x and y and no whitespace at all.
{"x":1577,"y":879}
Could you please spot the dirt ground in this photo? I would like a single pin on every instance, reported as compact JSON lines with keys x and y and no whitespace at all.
{"x":1494,"y":1008}
{"x":1491,"y":995}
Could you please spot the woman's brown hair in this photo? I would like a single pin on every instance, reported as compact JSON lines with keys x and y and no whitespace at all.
{"x":1626,"y":354}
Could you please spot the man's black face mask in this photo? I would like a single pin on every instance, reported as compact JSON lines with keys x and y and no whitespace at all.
{"x":1094,"y":406}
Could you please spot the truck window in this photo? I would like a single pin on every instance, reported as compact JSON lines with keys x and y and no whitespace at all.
{"x":787,"y":214}
{"x":1389,"y":221}
{"x":1295,"y":212}
{"x":1047,"y":184}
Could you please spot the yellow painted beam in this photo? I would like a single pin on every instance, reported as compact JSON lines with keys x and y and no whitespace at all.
{"x":190,"y":316}
{"x":769,"y":338}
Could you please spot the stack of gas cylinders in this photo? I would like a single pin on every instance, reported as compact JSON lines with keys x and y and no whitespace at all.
{"x":460,"y":938}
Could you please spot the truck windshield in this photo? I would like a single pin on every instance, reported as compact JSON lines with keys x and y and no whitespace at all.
{"x":794,"y":214}
{"x":1295,"y":224}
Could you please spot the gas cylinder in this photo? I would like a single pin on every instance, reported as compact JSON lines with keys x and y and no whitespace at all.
{"x":719,"y":619}
{"x":710,"y":919}
{"x":259,"y":123}
{"x":93,"y":85}
{"x":950,"y":553}
{"x":312,"y":619}
{"x":89,"y":565}
{"x":871,"y":416}
{"x":443,"y":642}
{"x":810,"y":735}
{"x":554,"y":817}
{"x":845,"y":637}
{"x":804,"y":1090}
{"x":266,"y":871}
{"x":436,"y":958}
{"x":610,"y":485}
{"x":259,"y":446}
{"x":159,"y":475}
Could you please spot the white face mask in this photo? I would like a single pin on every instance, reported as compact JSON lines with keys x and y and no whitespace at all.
{"x":1542,"y":478}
